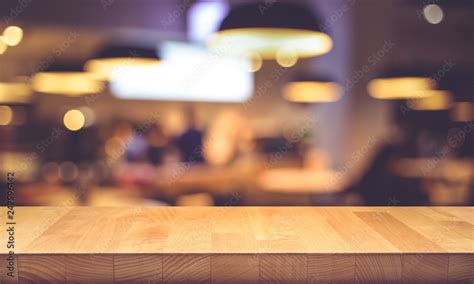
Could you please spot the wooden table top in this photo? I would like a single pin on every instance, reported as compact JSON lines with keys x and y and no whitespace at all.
{"x":76,"y":230}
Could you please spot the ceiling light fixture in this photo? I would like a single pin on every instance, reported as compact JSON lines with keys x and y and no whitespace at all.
{"x":14,"y":92}
{"x":401,"y":84}
{"x":67,"y":80}
{"x":311,"y":90}
{"x":437,"y":100}
{"x":114,"y":59}
{"x":282,"y":31}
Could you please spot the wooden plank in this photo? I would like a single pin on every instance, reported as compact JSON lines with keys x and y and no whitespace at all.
{"x":191,"y":231}
{"x":138,"y":268}
{"x":4,"y":278}
{"x":235,"y":268}
{"x":450,"y":235}
{"x":42,"y":268}
{"x":231,"y":231}
{"x":461,"y":268}
{"x":459,"y":212}
{"x":90,"y":268}
{"x":331,"y":268}
{"x":182,"y":268}
{"x":214,"y":230}
{"x":32,"y":222}
{"x":405,"y":238}
{"x":355,"y":232}
{"x":423,"y":268}
{"x":377,"y":268}
{"x":283,"y":268}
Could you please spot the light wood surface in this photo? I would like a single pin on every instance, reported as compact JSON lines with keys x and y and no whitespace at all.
{"x":242,"y":244}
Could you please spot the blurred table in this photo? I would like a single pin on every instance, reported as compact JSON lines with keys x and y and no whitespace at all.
{"x":448,"y":169}
{"x":447,"y":181}
{"x":294,"y":180}
{"x":262,"y":186}
{"x":45,"y":194}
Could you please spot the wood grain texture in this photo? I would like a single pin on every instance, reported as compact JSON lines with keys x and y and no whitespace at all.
{"x":162,"y":230}
{"x":378,"y":268}
{"x":331,"y":268}
{"x":42,"y":268}
{"x":138,"y":268}
{"x":461,"y":268}
{"x":278,"y":268}
{"x":90,"y":268}
{"x":243,"y":245}
{"x":396,"y":232}
{"x":187,"y":268}
{"x":4,"y":278}
{"x":425,"y":268}
{"x":235,"y":268}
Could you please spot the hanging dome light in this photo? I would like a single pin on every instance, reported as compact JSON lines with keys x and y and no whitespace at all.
{"x":114,"y":59}
{"x":15,"y":92}
{"x":402,"y":84}
{"x":438,"y":100}
{"x":304,"y":89}
{"x":281,"y":31}
{"x":67,"y":79}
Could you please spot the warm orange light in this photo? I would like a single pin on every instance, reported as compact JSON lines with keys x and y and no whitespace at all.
{"x":436,"y":100}
{"x":11,"y":92}
{"x":67,"y":83}
{"x":269,"y":41}
{"x":6,"y":115}
{"x":107,"y":68}
{"x":12,"y":35}
{"x":256,"y":61}
{"x":114,"y":147}
{"x":74,"y":120}
{"x":312,"y":92}
{"x":401,"y":88}
{"x":3,"y":45}
{"x":286,"y":58}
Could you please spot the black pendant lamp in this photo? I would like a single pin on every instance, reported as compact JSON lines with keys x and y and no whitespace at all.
{"x":66,"y":78}
{"x":114,"y":58}
{"x":282,"y":30}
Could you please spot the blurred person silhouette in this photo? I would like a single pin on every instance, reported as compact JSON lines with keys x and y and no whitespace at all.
{"x":380,"y":185}
{"x":190,"y":143}
{"x":157,"y":144}
{"x":136,"y":146}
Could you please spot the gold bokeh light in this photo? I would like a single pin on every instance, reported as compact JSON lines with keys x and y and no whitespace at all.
{"x":12,"y":35}
{"x":3,"y":45}
{"x":107,"y":68}
{"x":268,"y":42}
{"x":401,"y":88}
{"x":67,"y":83}
{"x":6,"y":115}
{"x":286,"y":58}
{"x":312,"y":92}
{"x":437,"y":100}
{"x":14,"y":92}
{"x":74,"y":120}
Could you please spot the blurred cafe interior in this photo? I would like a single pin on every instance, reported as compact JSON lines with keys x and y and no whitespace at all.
{"x":237,"y":102}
